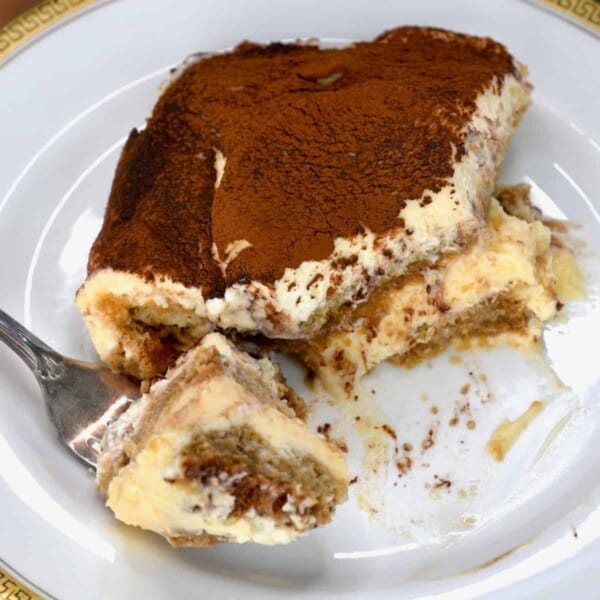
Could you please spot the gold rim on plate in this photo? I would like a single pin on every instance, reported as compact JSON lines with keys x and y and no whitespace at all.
{"x":585,"y":13}
{"x":11,"y":589}
{"x":33,"y":22}
{"x":46,"y":13}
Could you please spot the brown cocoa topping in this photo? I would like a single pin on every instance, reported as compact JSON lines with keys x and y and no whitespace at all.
{"x":319,"y":144}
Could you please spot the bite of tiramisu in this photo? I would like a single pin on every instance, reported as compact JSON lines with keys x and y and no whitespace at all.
{"x":216,"y":451}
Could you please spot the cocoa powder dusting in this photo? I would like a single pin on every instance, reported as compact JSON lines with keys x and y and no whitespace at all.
{"x":319,"y":144}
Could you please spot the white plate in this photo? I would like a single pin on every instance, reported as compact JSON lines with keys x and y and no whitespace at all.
{"x":69,"y":100}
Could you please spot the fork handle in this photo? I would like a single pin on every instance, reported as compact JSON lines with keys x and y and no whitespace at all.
{"x":29,"y":347}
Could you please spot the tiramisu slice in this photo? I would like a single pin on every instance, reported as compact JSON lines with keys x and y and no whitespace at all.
{"x":275,"y":185}
{"x":216,"y":452}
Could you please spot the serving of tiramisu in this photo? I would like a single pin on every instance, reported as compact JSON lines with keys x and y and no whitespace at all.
{"x":337,"y":204}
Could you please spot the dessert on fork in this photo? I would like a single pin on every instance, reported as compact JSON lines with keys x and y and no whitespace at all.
{"x":217,"y":451}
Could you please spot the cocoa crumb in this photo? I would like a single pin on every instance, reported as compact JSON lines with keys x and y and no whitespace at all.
{"x":316,"y":278}
{"x":324,"y":429}
{"x":407,"y":447}
{"x":389,"y":431}
{"x":353,"y":480}
{"x":341,"y":444}
{"x":453,"y":422}
{"x":429,"y":441}
{"x":404,"y":465}
{"x":441,"y":482}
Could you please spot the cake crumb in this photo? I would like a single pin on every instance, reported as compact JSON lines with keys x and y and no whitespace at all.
{"x":471,"y":424}
{"x":507,"y":433}
{"x":465,"y":389}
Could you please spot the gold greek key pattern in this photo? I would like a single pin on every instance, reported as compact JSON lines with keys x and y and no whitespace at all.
{"x":584,"y":12}
{"x":13,"y":590}
{"x":35,"y":20}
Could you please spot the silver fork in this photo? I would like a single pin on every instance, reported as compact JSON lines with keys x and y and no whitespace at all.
{"x":81,"y":397}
